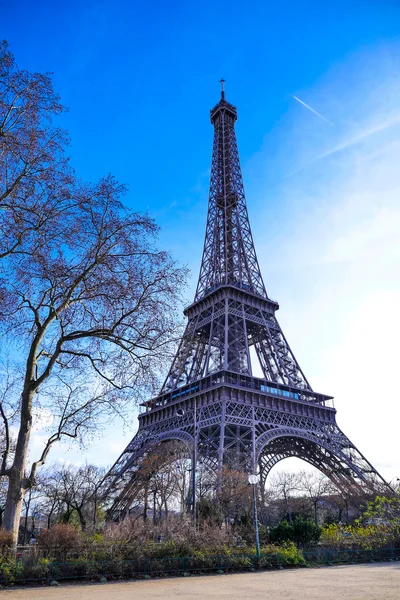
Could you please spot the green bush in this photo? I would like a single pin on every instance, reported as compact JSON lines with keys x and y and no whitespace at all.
{"x":378,"y":527}
{"x":303,"y":532}
{"x":357,"y":536}
{"x":285,"y":554}
{"x":289,"y":554}
{"x":208,"y":512}
{"x":10,"y":569}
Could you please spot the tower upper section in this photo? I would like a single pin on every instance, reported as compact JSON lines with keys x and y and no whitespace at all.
{"x":231,"y":312}
{"x":229,"y":257}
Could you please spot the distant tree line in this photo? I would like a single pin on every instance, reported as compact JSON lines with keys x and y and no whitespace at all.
{"x":292,"y":507}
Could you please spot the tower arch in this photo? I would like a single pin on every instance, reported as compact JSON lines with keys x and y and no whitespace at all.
{"x":280,"y":444}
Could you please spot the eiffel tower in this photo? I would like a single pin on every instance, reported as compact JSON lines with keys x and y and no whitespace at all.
{"x":211,"y":401}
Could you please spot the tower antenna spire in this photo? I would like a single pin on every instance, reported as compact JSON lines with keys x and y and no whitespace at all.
{"x":222,"y":82}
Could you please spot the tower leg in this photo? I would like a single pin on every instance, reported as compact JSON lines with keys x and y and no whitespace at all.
{"x":222,"y":437}
{"x":253,"y":466}
{"x":221,"y":446}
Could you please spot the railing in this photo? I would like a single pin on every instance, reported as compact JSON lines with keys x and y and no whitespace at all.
{"x":236,"y":285}
{"x":240,"y":380}
{"x":347,"y":556}
{"x":45,"y":570}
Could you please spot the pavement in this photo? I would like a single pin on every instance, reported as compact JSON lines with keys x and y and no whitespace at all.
{"x":379,"y":581}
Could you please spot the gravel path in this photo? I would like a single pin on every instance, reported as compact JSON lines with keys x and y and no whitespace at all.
{"x":361,"y":582}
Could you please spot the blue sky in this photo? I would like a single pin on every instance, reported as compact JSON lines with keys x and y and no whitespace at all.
{"x":139,"y":80}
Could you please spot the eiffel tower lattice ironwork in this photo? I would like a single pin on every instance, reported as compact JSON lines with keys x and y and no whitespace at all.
{"x":211,"y":400}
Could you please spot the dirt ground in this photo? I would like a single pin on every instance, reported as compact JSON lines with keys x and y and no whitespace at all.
{"x":361,"y":582}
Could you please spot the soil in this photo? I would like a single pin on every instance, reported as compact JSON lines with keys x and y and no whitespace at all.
{"x":379,"y":581}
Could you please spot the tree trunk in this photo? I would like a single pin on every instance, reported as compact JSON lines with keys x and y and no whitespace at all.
{"x":145,"y":507}
{"x":288,"y":509}
{"x":12,"y":513}
{"x":166,"y":509}
{"x":82,"y":519}
{"x":26,"y":520}
{"x":95,"y":511}
{"x":16,"y":482}
{"x":154,"y":507}
{"x":67,"y":516}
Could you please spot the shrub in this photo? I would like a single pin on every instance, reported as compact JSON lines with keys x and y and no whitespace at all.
{"x":335,"y":536}
{"x":304,"y":532}
{"x":6,"y":542}
{"x":285,"y":554}
{"x":208,"y":513}
{"x":382,"y":510}
{"x":290,"y":555}
{"x":37,"y":570}
{"x":134,"y":539}
{"x":10,"y":569}
{"x":59,"y":541}
{"x":366,"y":537}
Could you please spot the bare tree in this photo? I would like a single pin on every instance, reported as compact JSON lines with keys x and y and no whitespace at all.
{"x":30,"y":504}
{"x":315,"y":486}
{"x":9,"y":385}
{"x":182,"y":469}
{"x":284,"y":485}
{"x":52,"y":503}
{"x":33,"y":165}
{"x":173,"y":479}
{"x":162,"y":480}
{"x":206,"y":481}
{"x":76,"y":488}
{"x":234,"y":493}
{"x":165,"y":488}
{"x":93,"y":323}
{"x":3,"y":497}
{"x":62,"y":491}
{"x":87,"y":301}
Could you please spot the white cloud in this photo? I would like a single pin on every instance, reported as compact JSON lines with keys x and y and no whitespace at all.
{"x":334,"y":263}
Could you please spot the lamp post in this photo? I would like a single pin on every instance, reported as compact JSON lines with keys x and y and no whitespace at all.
{"x":253,"y":480}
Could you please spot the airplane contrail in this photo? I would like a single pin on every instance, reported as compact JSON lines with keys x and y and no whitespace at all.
{"x":313,"y":110}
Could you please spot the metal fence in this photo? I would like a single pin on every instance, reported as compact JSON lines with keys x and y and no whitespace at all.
{"x":44,"y":570}
{"x":345,"y":556}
